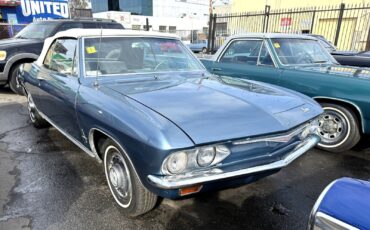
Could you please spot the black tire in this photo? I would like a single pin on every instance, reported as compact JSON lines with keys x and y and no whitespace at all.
{"x":127,"y":190}
{"x":36,"y":119}
{"x":204,"y":50}
{"x":13,"y":80}
{"x":345,"y":126}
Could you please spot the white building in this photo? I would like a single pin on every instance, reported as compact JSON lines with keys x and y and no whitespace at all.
{"x":181,"y":8}
{"x":169,"y":24}
{"x":188,"y":28}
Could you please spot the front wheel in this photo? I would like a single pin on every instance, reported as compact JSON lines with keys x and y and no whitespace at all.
{"x":338,"y":128}
{"x":204,"y":50}
{"x":13,"y":80}
{"x":36,"y":119}
{"x":124,"y":183}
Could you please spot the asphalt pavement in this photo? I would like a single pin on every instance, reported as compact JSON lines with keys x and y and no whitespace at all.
{"x":46,"y":182}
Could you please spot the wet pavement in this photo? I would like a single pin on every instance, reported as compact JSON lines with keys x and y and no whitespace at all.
{"x":46,"y":182}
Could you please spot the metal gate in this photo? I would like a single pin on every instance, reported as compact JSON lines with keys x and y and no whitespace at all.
{"x":347,"y":27}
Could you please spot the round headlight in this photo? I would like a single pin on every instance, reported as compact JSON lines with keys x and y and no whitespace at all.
{"x":177,"y":162}
{"x":206,"y":156}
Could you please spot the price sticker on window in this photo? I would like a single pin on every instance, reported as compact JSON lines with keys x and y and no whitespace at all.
{"x":276,"y":45}
{"x":90,"y":49}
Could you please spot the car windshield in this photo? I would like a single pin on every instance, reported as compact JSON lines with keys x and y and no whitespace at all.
{"x":37,"y":31}
{"x":121,"y":55}
{"x":293,"y":51}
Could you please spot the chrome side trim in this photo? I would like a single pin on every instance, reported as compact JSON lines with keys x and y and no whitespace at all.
{"x":76,"y":142}
{"x":183,"y":180}
{"x":324,"y":221}
{"x":317,"y":204}
{"x":351,"y":103}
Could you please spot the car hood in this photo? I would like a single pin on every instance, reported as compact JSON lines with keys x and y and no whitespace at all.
{"x":338,"y":70}
{"x":212,"y":110}
{"x":10,"y":42}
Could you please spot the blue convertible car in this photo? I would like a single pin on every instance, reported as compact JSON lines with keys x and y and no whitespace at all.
{"x":145,"y":106}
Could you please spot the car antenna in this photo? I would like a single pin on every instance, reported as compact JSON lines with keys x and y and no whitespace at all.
{"x":96,"y":83}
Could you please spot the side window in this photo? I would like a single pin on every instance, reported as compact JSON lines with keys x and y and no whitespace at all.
{"x":265,"y":57}
{"x":61,"y":57}
{"x":67,"y":26}
{"x":242,"y":52}
{"x":48,"y":56}
{"x":90,"y":26}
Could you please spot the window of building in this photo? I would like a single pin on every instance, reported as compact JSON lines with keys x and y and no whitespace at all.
{"x":172,"y":29}
{"x":135,"y":27}
{"x":162,"y":28}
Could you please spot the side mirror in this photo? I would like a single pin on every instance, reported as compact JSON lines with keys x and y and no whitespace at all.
{"x":344,"y":204}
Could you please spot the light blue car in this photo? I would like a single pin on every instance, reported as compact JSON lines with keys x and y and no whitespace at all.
{"x":199,"y":46}
{"x":144,"y":106}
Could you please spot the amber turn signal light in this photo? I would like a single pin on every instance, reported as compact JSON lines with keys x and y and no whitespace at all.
{"x":190,"y":190}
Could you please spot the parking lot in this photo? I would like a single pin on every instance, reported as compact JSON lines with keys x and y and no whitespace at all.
{"x":46,"y":182}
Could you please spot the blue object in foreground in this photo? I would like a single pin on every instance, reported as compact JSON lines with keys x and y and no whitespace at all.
{"x":344,"y":204}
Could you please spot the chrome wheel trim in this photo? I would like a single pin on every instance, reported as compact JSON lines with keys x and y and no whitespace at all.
{"x":118,"y":176}
{"x":31,"y":108}
{"x":338,"y":126}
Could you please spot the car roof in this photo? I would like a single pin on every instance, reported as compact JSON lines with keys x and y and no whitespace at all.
{"x":272,"y":35}
{"x":77,"y":33}
{"x":89,"y":20}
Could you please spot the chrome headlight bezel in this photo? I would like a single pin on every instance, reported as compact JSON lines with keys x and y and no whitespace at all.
{"x":2,"y":55}
{"x":192,"y":160}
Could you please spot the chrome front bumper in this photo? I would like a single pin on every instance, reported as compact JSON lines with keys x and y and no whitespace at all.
{"x":214,"y":174}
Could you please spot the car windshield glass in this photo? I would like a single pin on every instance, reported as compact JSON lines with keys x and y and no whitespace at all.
{"x":293,"y":51}
{"x":121,"y":55}
{"x":36,"y":31}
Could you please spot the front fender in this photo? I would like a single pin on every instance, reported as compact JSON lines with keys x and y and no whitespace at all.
{"x":145,"y":135}
{"x":16,"y":58}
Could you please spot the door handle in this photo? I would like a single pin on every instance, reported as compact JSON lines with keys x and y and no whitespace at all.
{"x":216,"y":69}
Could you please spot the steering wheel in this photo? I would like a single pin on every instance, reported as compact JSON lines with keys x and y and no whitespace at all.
{"x":159,"y":64}
{"x":303,"y":58}
{"x":113,"y":54}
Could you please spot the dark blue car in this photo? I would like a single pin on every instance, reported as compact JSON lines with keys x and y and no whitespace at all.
{"x":144,"y":105}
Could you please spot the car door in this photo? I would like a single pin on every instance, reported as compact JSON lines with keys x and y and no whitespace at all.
{"x":59,"y":86}
{"x":248,"y":59}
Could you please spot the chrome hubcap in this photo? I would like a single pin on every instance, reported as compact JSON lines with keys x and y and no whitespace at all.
{"x":332,"y":126}
{"x":31,"y":108}
{"x":119,"y":176}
